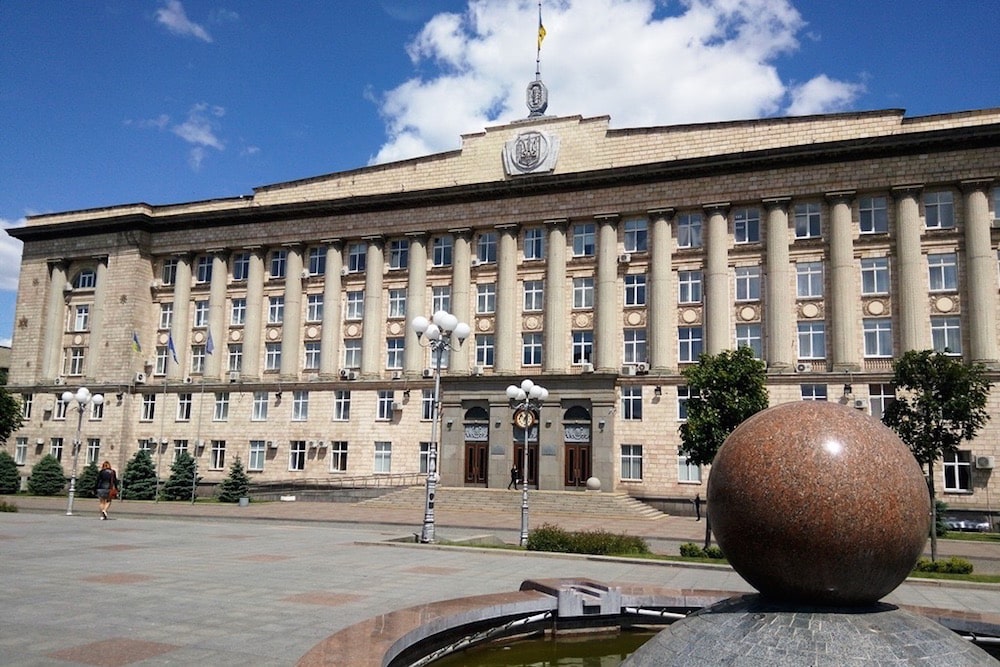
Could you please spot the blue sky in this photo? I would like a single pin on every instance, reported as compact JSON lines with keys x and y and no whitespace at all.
{"x":111,"y":102}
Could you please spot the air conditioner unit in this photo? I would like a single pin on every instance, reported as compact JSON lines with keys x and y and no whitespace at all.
{"x":234,"y":376}
{"x":642,"y":368}
{"x":271,"y":444}
{"x":588,"y":368}
{"x":624,"y":258}
{"x":397,"y":375}
{"x":352,"y":375}
{"x":140,"y":378}
{"x":427,"y":373}
{"x":477,"y":370}
{"x":397,"y":406}
{"x":986,"y":462}
{"x":859,"y":403}
{"x":305,"y":274}
{"x":344,"y":271}
{"x":628,"y":370}
{"x":344,"y":372}
{"x":60,"y":381}
{"x":188,"y":380}
{"x":803,"y":368}
{"x":476,"y":261}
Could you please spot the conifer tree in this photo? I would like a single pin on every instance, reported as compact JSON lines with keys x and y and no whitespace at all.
{"x":139,"y":481}
{"x":236,"y":485}
{"x":86,"y":483}
{"x":10,"y":478}
{"x":47,"y":477}
{"x":179,"y":485}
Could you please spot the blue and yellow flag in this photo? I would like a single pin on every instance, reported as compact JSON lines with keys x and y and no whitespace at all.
{"x":135,"y":343}
{"x":541,"y":28}
{"x":170,"y":346}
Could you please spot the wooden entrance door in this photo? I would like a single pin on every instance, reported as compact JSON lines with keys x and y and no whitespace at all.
{"x":476,"y":463}
{"x":577,"y":464}
{"x":532,"y":462}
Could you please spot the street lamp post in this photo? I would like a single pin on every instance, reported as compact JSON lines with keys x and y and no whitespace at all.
{"x":525,"y":401}
{"x":439,"y":333}
{"x":83,"y":399}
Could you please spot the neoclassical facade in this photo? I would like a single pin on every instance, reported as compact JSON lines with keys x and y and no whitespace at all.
{"x":599,"y":262}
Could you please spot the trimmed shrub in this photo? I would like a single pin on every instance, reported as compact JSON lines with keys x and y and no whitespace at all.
{"x":713,"y":551}
{"x":139,"y":480}
{"x":953,"y":565}
{"x":601,"y":543}
{"x":47,"y":478}
{"x":236,"y":485}
{"x":10,"y":478}
{"x":86,"y":483}
{"x":692,"y":550}
{"x":7,"y":507}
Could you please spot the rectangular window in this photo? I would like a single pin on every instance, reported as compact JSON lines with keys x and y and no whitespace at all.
{"x":873,"y":215}
{"x":874,"y":275}
{"x":748,"y":283}
{"x":635,"y":290}
{"x":300,"y":406}
{"x":234,"y":359}
{"x":21,"y":451}
{"x":60,"y":410}
{"x":812,"y":392}
{"x":241,"y":266}
{"x":939,"y":210}
{"x":162,"y":354}
{"x":168,"y":272}
{"x":394,"y":353}
{"x":486,"y":248}
{"x":942,"y":272}
{"x":749,"y":335}
{"x":584,"y":244}
{"x":201,"y":313}
{"x":197,"y":358}
{"x":383,"y":408}
{"x":689,"y":286}
{"x":258,"y":452}
{"x":812,"y":340}
{"x":203,"y":270}
{"x":338,"y":456}
{"x":183,"y":407}
{"x":272,"y":356}
{"x":689,"y":344}
{"x":74,"y":361}
{"x":275,"y":309}
{"x":148,"y":407}
{"x":533,"y":295}
{"x":94,"y":450}
{"x":809,"y":280}
{"x":427,"y":405}
{"x":486,"y":299}
{"x":442,"y":248}
{"x":958,"y":472}
{"x":260,"y":402}
{"x":352,"y":353}
{"x":746,"y":225}
{"x":583,"y":347}
{"x":583,"y":293}
{"x":357,"y":254}
{"x":383,"y":457}
{"x":221,"y":412}
{"x":397,"y":302}
{"x":279,"y":261}
{"x":485,"y":347}
{"x":879,"y":398}
{"x":218,"y":458}
{"x":946,"y":334}
{"x":166,"y":315}
{"x":689,"y":230}
{"x":238,"y":312}
{"x":399,"y":254}
{"x":632,"y":403}
{"x":878,"y":336}
{"x":636,"y":235}
{"x":531,"y":349}
{"x":632,"y":463}
{"x":81,"y":319}
{"x":441,"y":299}
{"x":354,"y":305}
{"x":314,"y":308}
{"x":311,"y":348}
{"x":297,"y":455}
{"x":635,"y":346}
{"x":56,"y":448}
{"x":807,"y":221}
{"x":534,"y":243}
{"x":341,"y":405}
{"x":687,"y":471}
{"x":27,"y":402}
{"x":425,"y":457}
{"x":316,"y":266}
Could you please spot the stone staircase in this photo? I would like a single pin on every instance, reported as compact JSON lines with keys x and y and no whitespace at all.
{"x":578,"y":503}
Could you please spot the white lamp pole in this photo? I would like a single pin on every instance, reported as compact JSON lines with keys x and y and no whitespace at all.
{"x":83,"y":399}
{"x":526,"y":401}
{"x":439,"y":333}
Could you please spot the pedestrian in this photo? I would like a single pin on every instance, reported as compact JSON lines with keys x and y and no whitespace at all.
{"x":107,"y":488}
{"x":514,"y":476}
{"x":697,"y":506}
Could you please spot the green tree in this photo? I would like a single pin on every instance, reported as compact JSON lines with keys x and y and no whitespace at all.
{"x":10,"y":478}
{"x":724,"y":390}
{"x":181,"y":482}
{"x":86,"y":483}
{"x":236,"y":485}
{"x":47,"y":477}
{"x":11,"y":413}
{"x":139,"y":480}
{"x":940,"y":403}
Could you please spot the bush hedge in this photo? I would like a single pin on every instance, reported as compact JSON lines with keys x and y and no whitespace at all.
{"x":7,"y":507}
{"x":601,"y":543}
{"x":692,"y":550}
{"x":953,"y":565}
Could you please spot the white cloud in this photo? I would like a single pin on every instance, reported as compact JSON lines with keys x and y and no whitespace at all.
{"x":200,"y":130}
{"x":10,"y":270}
{"x":643,"y":62}
{"x":175,"y":19}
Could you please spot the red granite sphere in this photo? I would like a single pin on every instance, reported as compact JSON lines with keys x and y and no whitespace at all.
{"x":815,"y":502}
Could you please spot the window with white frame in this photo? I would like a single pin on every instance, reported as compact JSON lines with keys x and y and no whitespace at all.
{"x":85,"y":279}
{"x":687,"y":471}
{"x":874,"y":275}
{"x":877,"y":336}
{"x":879,"y":398}
{"x":809,"y":280}
{"x":27,"y":403}
{"x":203,"y":269}
{"x":241,"y":266}
{"x":81,"y":317}
{"x":352,"y":353}
{"x":873,"y":215}
{"x":426,"y":405}
{"x":746,"y":225}
{"x":311,"y":352}
{"x":812,"y":392}
{"x":217,"y":461}
{"x":942,"y":272}
{"x":939,"y":210}
{"x":221,"y":411}
{"x":275,"y":309}
{"x":534,"y":243}
{"x":56,"y":448}
{"x":486,"y":298}
{"x":683,"y":395}
{"x":749,"y":335}
{"x":279,"y":262}
{"x":583,"y":347}
{"x":689,"y":344}
{"x":258,"y":412}
{"x":634,"y":346}
{"x":748,"y":283}
{"x":394,"y":353}
{"x":96,"y":411}
{"x":397,"y":302}
{"x":383,"y":457}
{"x":168,"y":272}
{"x":808,"y":223}
{"x":486,"y":248}
{"x":166,"y":315}
{"x":300,"y":406}
{"x":60,"y":413}
{"x":234,"y":359}
{"x":584,"y":239}
{"x":583,"y":292}
{"x":357,"y":254}
{"x":183,"y":407}
{"x":485,"y":348}
{"x":272,"y":356}
{"x":442,"y":248}
{"x":354,"y":305}
{"x":314,"y":308}
{"x":632,"y":463}
{"x":632,"y":403}
{"x":238,"y":311}
{"x":93,"y":452}
{"x":425,"y":457}
{"x":534,"y":295}
{"x":689,"y":230}
{"x":383,"y":407}
{"x":812,"y":340}
{"x":531,"y":349}
{"x":74,"y":361}
{"x":636,"y":235}
{"x":257,"y":455}
{"x":635,"y":290}
{"x":316,"y":264}
{"x":441,"y":298}
{"x":162,"y":354}
{"x":297,"y":455}
{"x":958,"y":472}
{"x":201,"y":313}
{"x":20,"y":451}
{"x":338,"y":456}
{"x":197,"y":358}
{"x":689,"y":287}
{"x":946,"y":334}
{"x":146,"y":444}
{"x":180,"y":448}
{"x":342,"y":405}
{"x":399,"y":254}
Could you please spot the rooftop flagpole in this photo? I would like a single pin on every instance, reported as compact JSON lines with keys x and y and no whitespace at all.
{"x":541,"y":36}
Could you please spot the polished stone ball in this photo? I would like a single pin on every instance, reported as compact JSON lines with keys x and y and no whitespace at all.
{"x":817,"y":503}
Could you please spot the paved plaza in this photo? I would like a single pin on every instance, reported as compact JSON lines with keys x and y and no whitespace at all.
{"x":172,"y":583}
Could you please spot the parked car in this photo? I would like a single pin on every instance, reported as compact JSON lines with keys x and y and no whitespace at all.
{"x":978,"y":524}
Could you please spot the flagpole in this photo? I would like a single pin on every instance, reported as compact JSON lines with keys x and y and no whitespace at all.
{"x":538,"y":50}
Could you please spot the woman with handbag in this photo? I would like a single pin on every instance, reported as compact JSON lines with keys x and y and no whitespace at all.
{"x":107,"y":488}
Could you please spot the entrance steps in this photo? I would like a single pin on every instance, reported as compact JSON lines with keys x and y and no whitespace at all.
{"x":579,"y":503}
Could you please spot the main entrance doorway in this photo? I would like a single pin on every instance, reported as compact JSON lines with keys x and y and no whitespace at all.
{"x":532,"y":476}
{"x":476,"y":463}
{"x":577,"y":457}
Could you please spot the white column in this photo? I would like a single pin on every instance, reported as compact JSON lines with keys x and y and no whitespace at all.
{"x":329,"y":345}
{"x":607,"y":314}
{"x":253,"y":327}
{"x":506,"y":334}
{"x":555,"y":354}
{"x":416,"y":299}
{"x":778,"y":303}
{"x":95,"y":349}
{"x":461,"y":299}
{"x":216,"y":313}
{"x":718,"y":302}
{"x":980,"y":306}
{"x":181,"y":329}
{"x":373,"y":326}
{"x":55,"y":320}
{"x":291,"y":325}
{"x":844,"y":298}
{"x":660,"y":313}
{"x":912,"y":310}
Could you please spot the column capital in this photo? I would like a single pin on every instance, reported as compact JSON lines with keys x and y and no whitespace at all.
{"x":976,"y":184}
{"x":772,"y":203}
{"x":557,"y":222}
{"x":841,"y":196}
{"x":462,"y":232}
{"x":717,"y":207}
{"x":607,"y":217}
{"x":377,"y":240}
{"x":332,"y":241}
{"x":902,"y":191}
{"x":507,"y":228}
{"x":666,"y":213}
{"x":419,"y":235}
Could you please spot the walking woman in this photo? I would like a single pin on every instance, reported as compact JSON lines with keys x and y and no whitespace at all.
{"x":107,"y":487}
